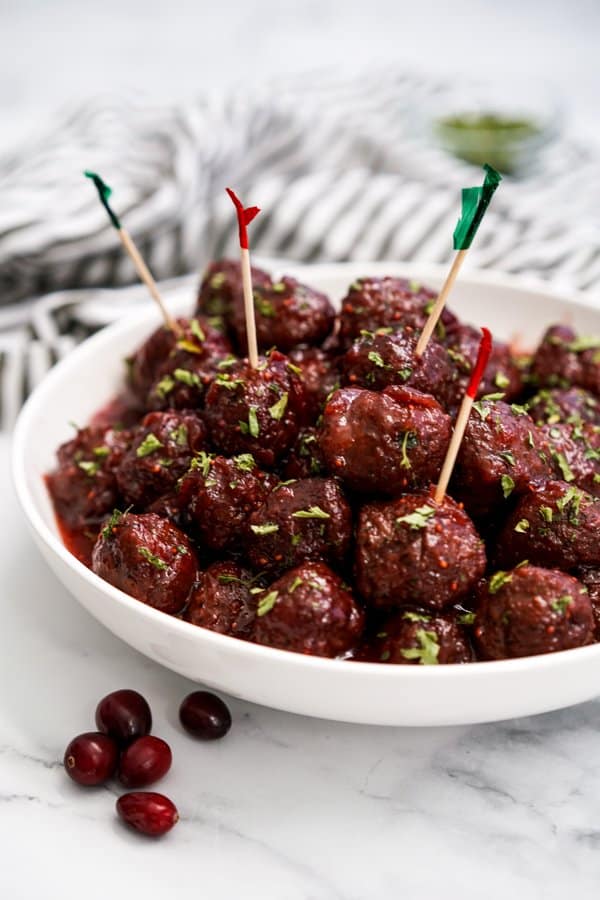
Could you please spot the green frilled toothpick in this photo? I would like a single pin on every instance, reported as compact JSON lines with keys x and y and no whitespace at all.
{"x":475,"y":201}
{"x":104,"y":193}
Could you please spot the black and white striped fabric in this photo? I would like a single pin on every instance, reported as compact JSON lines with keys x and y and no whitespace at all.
{"x":342,"y":171}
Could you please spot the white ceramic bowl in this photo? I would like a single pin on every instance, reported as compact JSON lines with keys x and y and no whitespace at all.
{"x":354,"y":692}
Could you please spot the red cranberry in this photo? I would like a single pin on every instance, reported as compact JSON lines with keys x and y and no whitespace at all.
{"x":124,"y":715}
{"x":144,"y":762}
{"x":205,"y":716}
{"x":147,"y":812}
{"x":91,"y":758}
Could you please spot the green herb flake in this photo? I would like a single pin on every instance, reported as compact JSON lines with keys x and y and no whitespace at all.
{"x":409,"y":437}
{"x":154,"y":560}
{"x":415,"y":617}
{"x":188,"y":346}
{"x":295,"y":369}
{"x":501,"y":381}
{"x":428,"y":651}
{"x":313,"y":512}
{"x":483,"y":410}
{"x":217,"y":281}
{"x":180,"y":435}
{"x":508,"y":485}
{"x":228,"y":361}
{"x":518,"y":410}
{"x":561,"y":604}
{"x":226,"y":381}
{"x":563,"y":465}
{"x":149,"y":445}
{"x":165,"y":386}
{"x":417,"y":519}
{"x":546,"y":513}
{"x":101,"y":452}
{"x":90,"y":467}
{"x":508,"y":457}
{"x":376,"y":359}
{"x":491,"y":398}
{"x":581,"y":344}
{"x":267,"y":528}
{"x":187,"y":377}
{"x":264,"y":307}
{"x":466,"y":618}
{"x":203,"y":462}
{"x":252,"y":426}
{"x":112,"y":523}
{"x":278,"y":409}
{"x":522,"y":526}
{"x":197,"y":331}
{"x":498,"y":580}
{"x":245,"y":462}
{"x":295,"y":583}
{"x":530,"y":441}
{"x":267,"y":603}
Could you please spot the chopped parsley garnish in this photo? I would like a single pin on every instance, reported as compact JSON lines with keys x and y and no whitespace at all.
{"x":466,"y":618}
{"x":498,"y":580}
{"x":415,"y":286}
{"x":561,"y":603}
{"x":428,"y":651}
{"x":518,"y":409}
{"x":112,"y":523}
{"x":501,"y":380}
{"x":228,"y":361}
{"x":522,"y":526}
{"x":267,"y":528}
{"x":508,"y":485}
{"x":165,"y":386}
{"x":563,"y":465}
{"x":197,"y":331}
{"x":187,"y":377}
{"x":253,"y":426}
{"x":295,"y":583}
{"x":492,"y":397}
{"x":483,"y":410}
{"x":90,"y":467}
{"x":508,"y":457}
{"x":226,"y":381}
{"x":546,"y":513}
{"x":415,"y":617}
{"x":409,"y":436}
{"x":267,"y":603}
{"x":295,"y":369}
{"x":180,"y":435}
{"x":149,"y":445}
{"x":572,"y":497}
{"x":375,"y":358}
{"x":217,"y":281}
{"x":245,"y":462}
{"x":418,"y":518}
{"x":264,"y":307}
{"x":278,"y":409}
{"x":313,"y":512}
{"x":101,"y":452}
{"x":279,"y":287}
{"x":154,"y":560}
{"x":404,"y":374}
{"x":586,"y":342}
{"x":202,"y":461}
{"x":530,"y":441}
{"x":188,"y":346}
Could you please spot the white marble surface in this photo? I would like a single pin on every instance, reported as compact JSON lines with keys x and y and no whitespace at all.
{"x":285,"y":808}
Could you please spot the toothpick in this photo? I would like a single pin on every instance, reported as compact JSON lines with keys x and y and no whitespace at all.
{"x":245,"y":216}
{"x":475,"y":201}
{"x":485,"y":348}
{"x":104,"y":192}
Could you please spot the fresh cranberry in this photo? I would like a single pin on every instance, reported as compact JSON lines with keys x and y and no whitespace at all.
{"x":144,"y":762}
{"x":91,"y":758}
{"x":148,"y":812}
{"x":124,"y":715}
{"x":205,"y":716}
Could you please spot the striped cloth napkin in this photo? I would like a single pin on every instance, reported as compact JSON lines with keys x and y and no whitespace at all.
{"x":343,"y":170}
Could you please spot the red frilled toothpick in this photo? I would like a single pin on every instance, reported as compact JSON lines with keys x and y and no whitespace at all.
{"x":485,"y":348}
{"x":245,"y":216}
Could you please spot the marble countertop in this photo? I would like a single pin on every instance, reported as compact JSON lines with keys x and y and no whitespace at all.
{"x":284,"y":808}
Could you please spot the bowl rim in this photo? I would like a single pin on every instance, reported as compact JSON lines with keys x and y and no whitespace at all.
{"x":149,"y":317}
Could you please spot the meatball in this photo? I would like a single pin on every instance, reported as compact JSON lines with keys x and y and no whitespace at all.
{"x":413,"y":551}
{"x":165,"y":352}
{"x":287,"y":313}
{"x":590,"y":578}
{"x":384,"y":443}
{"x":148,"y":558}
{"x":416,"y":638}
{"x":554,"y":524}
{"x":375,"y":361}
{"x":500,"y":454}
{"x":258,"y":411}
{"x":221,"y":289}
{"x":373,"y":303}
{"x":531,"y":610}
{"x":556,"y":406}
{"x":84,"y":486}
{"x":563,"y":359}
{"x":319,"y":374}
{"x":305,"y":458}
{"x":221,"y":600}
{"x":574,"y":452}
{"x":217,"y":495}
{"x":161,"y":452}
{"x":502,"y":372}
{"x":306,"y":519}
{"x":309,"y":610}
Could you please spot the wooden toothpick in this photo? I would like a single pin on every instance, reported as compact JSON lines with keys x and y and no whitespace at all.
{"x":245,"y":216}
{"x":475,"y":201}
{"x":104,"y":192}
{"x":485,"y":348}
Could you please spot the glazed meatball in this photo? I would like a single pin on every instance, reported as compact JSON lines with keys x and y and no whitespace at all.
{"x":161,"y":452}
{"x":148,"y":558}
{"x":217,"y":495}
{"x":384,"y":443}
{"x":305,"y":458}
{"x":258,"y":411}
{"x":375,"y":361}
{"x":287,"y":313}
{"x":563,"y":359}
{"x":531,"y":610}
{"x":319,"y":373}
{"x":416,"y":638}
{"x":309,"y":610}
{"x":502,"y":372}
{"x":84,"y":486}
{"x":554,"y":524}
{"x":500,"y":454}
{"x":306,"y":519}
{"x":590,"y":578}
{"x":557,"y":406}
{"x":221,"y":600}
{"x":574,"y":453}
{"x":413,"y":551}
{"x":165,"y":352}
{"x":221,"y":289}
{"x":373,"y":303}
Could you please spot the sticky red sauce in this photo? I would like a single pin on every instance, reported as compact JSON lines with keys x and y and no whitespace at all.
{"x":79,"y":542}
